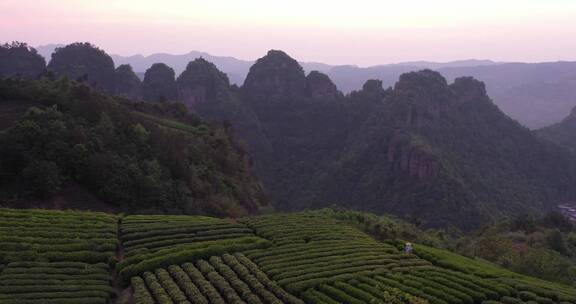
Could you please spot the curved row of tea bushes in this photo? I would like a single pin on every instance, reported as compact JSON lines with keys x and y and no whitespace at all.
{"x":218,"y":280}
{"x":156,"y":241}
{"x":56,"y":256}
{"x":313,"y":250}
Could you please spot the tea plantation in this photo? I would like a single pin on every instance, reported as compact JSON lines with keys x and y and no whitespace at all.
{"x":308,"y":257}
{"x":56,"y":257}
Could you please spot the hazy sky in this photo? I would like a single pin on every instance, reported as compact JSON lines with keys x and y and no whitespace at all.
{"x":362,"y":32}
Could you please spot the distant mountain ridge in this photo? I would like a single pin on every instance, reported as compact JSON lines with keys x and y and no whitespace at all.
{"x":535,"y":94}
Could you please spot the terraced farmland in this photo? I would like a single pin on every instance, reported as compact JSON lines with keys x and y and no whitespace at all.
{"x":153,"y":242}
{"x":218,"y":280}
{"x":324,"y":260}
{"x":56,"y":257}
{"x":312,"y":250}
{"x":310,"y":257}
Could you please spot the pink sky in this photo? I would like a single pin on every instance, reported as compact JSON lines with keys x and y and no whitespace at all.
{"x":363,"y":32}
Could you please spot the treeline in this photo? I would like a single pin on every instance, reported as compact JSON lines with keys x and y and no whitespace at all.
{"x":85,"y":62}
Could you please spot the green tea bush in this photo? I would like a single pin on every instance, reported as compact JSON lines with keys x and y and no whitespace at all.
{"x":141,"y":293}
{"x":170,"y":286}
{"x":156,"y":288}
{"x":186,"y":285}
{"x":203,"y":285}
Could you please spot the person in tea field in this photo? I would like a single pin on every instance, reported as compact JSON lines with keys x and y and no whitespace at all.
{"x":408,"y":248}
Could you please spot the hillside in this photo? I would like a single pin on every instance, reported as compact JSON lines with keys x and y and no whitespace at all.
{"x":562,"y":133}
{"x":424,"y":149}
{"x":68,"y":143}
{"x":313,"y":257}
{"x":540,"y":246}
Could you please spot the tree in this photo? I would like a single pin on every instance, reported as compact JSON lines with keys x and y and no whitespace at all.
{"x":556,"y":241}
{"x":42,"y":178}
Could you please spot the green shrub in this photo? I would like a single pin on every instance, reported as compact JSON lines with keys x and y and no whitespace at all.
{"x":338,"y":294}
{"x":542,"y":300}
{"x":510,"y":300}
{"x":141,"y":293}
{"x":204,"y":286}
{"x":312,"y":296}
{"x":527,"y":296}
{"x":156,"y":289}
{"x":186,"y":285}
{"x":170,"y":286}
{"x":219,"y":282}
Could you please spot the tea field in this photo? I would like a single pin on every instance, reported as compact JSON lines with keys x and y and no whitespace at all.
{"x":309,"y":257}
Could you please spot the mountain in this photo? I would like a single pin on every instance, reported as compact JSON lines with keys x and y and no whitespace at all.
{"x":235,"y":68}
{"x":19,"y":59}
{"x":451,"y":64}
{"x":562,"y":133}
{"x":65,"y":145}
{"x":426,"y":149}
{"x":87,"y":62}
{"x":535,"y":94}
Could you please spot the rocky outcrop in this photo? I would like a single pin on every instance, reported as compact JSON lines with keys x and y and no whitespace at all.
{"x":320,"y":86}
{"x":201,"y":82}
{"x":422,"y":97}
{"x":127,"y":83}
{"x":466,"y":88}
{"x":275,"y":76}
{"x":159,"y":83}
{"x":373,"y":86}
{"x":408,"y":156}
{"x":84,"y":62}
{"x":18,"y":59}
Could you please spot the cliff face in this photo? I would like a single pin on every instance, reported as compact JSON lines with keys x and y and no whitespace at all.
{"x":411,"y":159}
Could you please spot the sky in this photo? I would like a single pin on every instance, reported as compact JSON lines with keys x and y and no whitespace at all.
{"x":361,"y":32}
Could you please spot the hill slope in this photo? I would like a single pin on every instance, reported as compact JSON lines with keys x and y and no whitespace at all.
{"x":562,"y":133}
{"x":133,"y":156}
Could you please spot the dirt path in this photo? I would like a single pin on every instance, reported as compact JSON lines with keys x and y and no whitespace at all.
{"x":123,"y":295}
